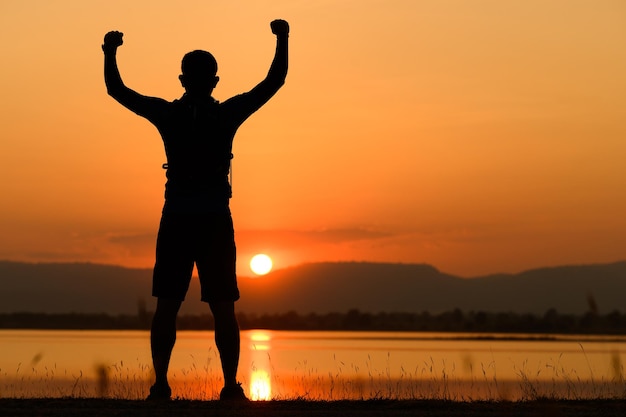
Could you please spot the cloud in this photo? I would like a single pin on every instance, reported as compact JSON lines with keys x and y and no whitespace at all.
{"x":134,"y":242}
{"x":289,"y":238}
{"x":127,"y":249}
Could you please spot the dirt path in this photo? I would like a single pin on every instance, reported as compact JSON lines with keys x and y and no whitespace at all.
{"x":374,"y":408}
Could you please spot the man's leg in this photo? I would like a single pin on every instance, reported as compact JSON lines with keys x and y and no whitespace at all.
{"x":162,"y":339}
{"x":218,"y":281}
{"x":227,"y":339}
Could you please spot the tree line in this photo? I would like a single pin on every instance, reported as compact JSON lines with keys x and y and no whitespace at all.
{"x":613,"y":323}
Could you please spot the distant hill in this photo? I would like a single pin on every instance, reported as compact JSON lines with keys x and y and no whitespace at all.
{"x":322,"y":288}
{"x":379,"y":287}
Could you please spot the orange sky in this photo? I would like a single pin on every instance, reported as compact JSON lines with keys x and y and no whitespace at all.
{"x":477,"y":136}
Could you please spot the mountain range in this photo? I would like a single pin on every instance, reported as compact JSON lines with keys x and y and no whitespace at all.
{"x":322,"y":288}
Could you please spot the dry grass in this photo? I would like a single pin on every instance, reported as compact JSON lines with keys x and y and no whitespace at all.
{"x":429,"y":389}
{"x":427,"y":381}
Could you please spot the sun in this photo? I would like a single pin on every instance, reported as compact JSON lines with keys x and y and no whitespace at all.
{"x":261,"y":264}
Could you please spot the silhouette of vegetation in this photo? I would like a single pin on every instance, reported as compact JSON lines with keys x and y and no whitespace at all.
{"x":551,"y":322}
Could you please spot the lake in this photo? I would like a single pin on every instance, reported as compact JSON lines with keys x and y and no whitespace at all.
{"x":318,"y":365}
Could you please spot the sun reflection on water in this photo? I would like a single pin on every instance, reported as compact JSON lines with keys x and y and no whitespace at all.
{"x":260,"y":381}
{"x":260,"y":385}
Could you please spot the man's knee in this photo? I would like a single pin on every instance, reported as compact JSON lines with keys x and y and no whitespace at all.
{"x":223,"y":310}
{"x":167,"y":309}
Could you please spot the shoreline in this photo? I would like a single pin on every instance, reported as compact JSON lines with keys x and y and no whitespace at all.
{"x":93,"y":407}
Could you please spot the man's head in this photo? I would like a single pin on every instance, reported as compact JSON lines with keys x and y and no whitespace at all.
{"x":199,"y":69}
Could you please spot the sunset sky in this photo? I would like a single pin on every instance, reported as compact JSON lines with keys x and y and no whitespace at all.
{"x":476,"y":136}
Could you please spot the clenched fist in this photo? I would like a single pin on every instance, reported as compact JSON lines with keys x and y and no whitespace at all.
{"x":112,"y":40}
{"x":280,"y":27}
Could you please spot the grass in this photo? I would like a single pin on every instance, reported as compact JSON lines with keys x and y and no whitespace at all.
{"x":430,"y":389}
{"x":426,"y":381}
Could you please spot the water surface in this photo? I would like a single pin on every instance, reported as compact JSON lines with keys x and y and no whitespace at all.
{"x":318,"y":365}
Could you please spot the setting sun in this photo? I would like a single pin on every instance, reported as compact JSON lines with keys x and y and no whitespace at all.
{"x":261,"y":264}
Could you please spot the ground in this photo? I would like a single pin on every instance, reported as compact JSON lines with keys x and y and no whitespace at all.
{"x":73,"y":407}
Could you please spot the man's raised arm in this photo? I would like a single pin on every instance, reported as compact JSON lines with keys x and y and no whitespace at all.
{"x":112,"y":77}
{"x":278,"y":70}
{"x":130,"y":99}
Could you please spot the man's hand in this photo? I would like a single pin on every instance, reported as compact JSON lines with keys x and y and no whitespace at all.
{"x":112,"y":40}
{"x":280,"y":27}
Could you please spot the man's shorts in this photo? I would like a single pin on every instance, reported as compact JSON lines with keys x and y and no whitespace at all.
{"x":208,"y":240}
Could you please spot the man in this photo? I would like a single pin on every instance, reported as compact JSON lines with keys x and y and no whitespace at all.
{"x":196,"y":224}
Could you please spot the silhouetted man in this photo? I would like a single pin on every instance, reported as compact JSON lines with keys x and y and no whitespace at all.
{"x":196,"y":224}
